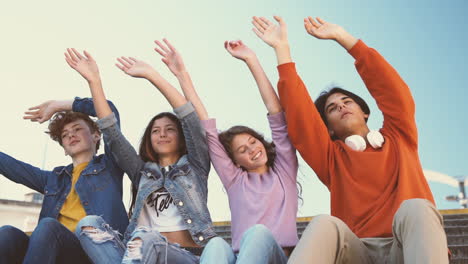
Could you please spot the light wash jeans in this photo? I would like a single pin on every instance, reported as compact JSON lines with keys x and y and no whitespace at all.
{"x":258,"y":246}
{"x":103,"y":245}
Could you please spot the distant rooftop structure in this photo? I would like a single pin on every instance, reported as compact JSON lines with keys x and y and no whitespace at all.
{"x":21,"y":214}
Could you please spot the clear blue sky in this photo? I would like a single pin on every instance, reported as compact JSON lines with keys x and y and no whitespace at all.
{"x":424,"y":40}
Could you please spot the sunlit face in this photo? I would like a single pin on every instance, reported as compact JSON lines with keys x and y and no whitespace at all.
{"x":77,"y":138}
{"x":249,"y":153}
{"x":165,"y":137}
{"x":344,"y":115}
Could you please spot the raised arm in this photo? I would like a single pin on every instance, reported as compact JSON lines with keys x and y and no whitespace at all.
{"x":173,"y":60}
{"x":391,"y":93}
{"x":240,"y":51}
{"x":86,"y":66}
{"x":275,"y":35}
{"x":140,"y":69}
{"x":306,"y":130}
{"x":124,"y":154}
{"x":45,"y":111}
{"x":325,"y":30}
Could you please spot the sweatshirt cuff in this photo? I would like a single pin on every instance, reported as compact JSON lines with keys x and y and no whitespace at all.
{"x":358,"y":49}
{"x":183,"y":110}
{"x":277,"y":118}
{"x":107,"y":121}
{"x":209,"y":124}
{"x":286,"y":70}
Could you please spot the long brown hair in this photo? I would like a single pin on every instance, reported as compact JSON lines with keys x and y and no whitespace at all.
{"x":147,"y":153}
{"x":227,"y":136}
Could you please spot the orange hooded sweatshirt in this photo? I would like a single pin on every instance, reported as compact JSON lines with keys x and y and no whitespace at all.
{"x":367,"y":187}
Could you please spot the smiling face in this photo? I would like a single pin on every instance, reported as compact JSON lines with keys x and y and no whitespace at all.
{"x":249,"y":153}
{"x":77,"y":138}
{"x":344,"y":116}
{"x":165,"y":137}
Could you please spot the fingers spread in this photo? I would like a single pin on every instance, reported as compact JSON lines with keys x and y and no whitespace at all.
{"x":120,"y":66}
{"x":258,"y":33}
{"x":88,"y":56}
{"x":258,"y":27}
{"x":321,"y":21}
{"x":123,"y":62}
{"x":164,"y":48}
{"x":72,"y":55}
{"x":172,"y":48}
{"x":77,"y":54}
{"x":162,"y":53}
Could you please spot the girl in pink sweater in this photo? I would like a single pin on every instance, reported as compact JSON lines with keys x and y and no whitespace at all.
{"x":259,"y":176}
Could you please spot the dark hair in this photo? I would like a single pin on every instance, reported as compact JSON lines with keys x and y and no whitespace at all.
{"x":147,"y":153}
{"x":322,"y":99}
{"x":61,"y":119}
{"x":227,"y":136}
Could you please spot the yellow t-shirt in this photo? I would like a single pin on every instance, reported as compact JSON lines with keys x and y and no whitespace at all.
{"x":72,"y":210}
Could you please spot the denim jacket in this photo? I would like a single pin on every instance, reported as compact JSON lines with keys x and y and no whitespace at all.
{"x":186,"y":182}
{"x":99,"y":185}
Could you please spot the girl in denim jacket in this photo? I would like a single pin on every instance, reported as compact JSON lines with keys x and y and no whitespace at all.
{"x":259,"y":176}
{"x":170,"y":221}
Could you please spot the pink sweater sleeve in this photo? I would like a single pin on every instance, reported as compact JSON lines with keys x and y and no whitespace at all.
{"x":286,"y":158}
{"x":225,"y":168}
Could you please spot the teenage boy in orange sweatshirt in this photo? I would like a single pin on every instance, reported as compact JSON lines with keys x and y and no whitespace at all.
{"x":381,"y":205}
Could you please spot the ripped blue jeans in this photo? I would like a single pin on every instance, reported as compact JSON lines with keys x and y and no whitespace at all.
{"x":104,"y":245}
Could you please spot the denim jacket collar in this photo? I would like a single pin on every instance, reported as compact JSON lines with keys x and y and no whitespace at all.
{"x":94,"y":167}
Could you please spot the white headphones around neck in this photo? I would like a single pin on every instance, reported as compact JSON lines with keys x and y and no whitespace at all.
{"x":358,"y":143}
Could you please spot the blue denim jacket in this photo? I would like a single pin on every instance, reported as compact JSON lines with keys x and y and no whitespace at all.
{"x":186,"y":182}
{"x":99,"y":185}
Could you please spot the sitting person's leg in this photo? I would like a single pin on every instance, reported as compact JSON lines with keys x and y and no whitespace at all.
{"x":419,"y":235}
{"x":99,"y":240}
{"x":218,"y":251}
{"x":52,"y":242}
{"x":259,"y":246}
{"x":329,"y":240}
{"x":13,"y":245}
{"x":149,"y":246}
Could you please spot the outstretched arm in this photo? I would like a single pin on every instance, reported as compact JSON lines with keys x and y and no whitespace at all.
{"x":86,"y":66}
{"x":173,"y":60}
{"x":240,"y":51}
{"x":140,"y":69}
{"x":275,"y":35}
{"x":325,"y":30}
{"x":46,"y":110}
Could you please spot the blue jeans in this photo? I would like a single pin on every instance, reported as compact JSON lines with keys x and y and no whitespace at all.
{"x":51,"y":242}
{"x":257,"y":246}
{"x":104,"y":245}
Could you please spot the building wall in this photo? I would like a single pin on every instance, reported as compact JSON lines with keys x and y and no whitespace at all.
{"x":22,"y":215}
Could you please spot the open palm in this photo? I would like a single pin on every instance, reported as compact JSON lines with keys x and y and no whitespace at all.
{"x":170,"y":56}
{"x":133,"y":67}
{"x":271,"y":33}
{"x":321,"y":29}
{"x":84,"y":65}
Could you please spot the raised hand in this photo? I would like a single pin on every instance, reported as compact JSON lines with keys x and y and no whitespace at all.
{"x":325,"y":30}
{"x":46,"y":110}
{"x":135,"y":68}
{"x":40,"y":113}
{"x":322,"y":29}
{"x":170,"y":56}
{"x":84,"y":65}
{"x":239,"y":50}
{"x":271,"y":33}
